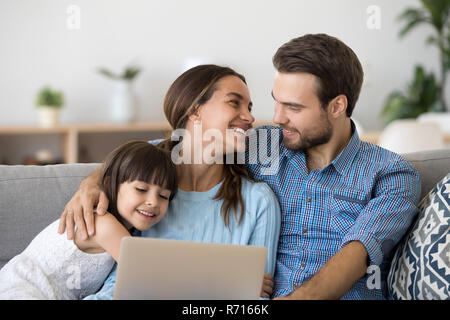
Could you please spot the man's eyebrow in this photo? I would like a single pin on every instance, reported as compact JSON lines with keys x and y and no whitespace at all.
{"x":239,"y":96}
{"x":287,"y":103}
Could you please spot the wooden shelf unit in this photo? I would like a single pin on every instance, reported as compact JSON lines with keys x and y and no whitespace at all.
{"x":70,"y":135}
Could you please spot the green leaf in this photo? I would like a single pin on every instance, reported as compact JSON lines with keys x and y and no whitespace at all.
{"x":130,"y":73}
{"x":421,"y":95}
{"x":393,"y":106}
{"x":439,"y":12}
{"x":107,"y":73}
{"x":432,"y":40}
{"x":49,"y":98}
{"x":412,"y":17}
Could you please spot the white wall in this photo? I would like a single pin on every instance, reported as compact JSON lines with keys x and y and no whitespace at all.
{"x":37,"y":48}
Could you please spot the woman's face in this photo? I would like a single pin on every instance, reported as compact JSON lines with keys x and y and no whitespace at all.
{"x":141,"y":204}
{"x":226,"y":116}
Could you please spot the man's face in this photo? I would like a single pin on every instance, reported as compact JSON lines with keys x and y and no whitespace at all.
{"x":299,"y":112}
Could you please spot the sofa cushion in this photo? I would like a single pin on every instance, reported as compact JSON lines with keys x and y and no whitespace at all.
{"x":421,"y":265}
{"x":31,"y":197}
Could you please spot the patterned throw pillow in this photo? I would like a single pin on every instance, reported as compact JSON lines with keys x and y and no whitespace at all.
{"x":421,"y":265}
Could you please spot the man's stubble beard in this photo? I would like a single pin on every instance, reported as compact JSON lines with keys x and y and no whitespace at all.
{"x":306,"y":141}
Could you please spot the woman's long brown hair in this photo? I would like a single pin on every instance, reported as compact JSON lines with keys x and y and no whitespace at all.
{"x":189,"y":91}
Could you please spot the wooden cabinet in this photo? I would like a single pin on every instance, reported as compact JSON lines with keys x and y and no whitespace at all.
{"x":88,"y":142}
{"x":73,"y":143}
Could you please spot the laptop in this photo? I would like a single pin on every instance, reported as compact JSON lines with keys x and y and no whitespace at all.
{"x":152,"y":268}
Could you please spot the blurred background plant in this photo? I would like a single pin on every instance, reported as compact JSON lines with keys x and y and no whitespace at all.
{"x":420,"y":96}
{"x":47,"y":97}
{"x":425,"y":93}
{"x":129,"y":73}
{"x":122,"y":103}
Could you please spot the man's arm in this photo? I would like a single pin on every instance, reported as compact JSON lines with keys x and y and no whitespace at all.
{"x":336,"y":277}
{"x":79,"y":210}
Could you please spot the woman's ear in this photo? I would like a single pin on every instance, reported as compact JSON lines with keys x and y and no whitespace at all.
{"x":194,"y":117}
{"x":195,"y":114}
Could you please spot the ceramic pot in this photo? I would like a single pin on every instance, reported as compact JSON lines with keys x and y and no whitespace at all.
{"x":122,"y":103}
{"x":48,"y":116}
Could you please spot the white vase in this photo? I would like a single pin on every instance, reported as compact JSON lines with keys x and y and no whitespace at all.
{"x":48,"y":116}
{"x":122,"y":103}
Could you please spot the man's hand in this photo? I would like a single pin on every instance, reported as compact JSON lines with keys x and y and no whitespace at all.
{"x":79,"y":210}
{"x":267,"y":286}
{"x":336,"y":277}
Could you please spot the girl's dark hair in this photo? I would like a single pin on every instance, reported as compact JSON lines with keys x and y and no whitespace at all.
{"x":137,"y":160}
{"x":186,"y":94}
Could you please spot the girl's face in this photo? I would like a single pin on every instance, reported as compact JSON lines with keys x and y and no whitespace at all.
{"x":141,"y":205}
{"x":228,"y":108}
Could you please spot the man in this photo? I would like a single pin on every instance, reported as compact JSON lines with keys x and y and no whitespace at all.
{"x":345,"y":203}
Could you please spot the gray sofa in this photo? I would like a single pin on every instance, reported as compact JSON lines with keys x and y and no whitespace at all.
{"x":31,"y":197}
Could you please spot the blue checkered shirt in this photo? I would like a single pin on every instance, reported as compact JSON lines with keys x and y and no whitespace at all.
{"x":366,"y":194}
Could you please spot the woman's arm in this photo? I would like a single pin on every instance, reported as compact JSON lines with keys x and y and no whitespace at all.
{"x":267,"y":228}
{"x":266,"y":231}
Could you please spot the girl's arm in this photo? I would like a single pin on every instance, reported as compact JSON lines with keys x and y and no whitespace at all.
{"x":108,"y":235}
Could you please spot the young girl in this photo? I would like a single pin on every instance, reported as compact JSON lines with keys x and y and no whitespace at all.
{"x":139,"y":180}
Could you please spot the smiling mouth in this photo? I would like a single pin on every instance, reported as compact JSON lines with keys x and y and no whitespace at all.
{"x":240,"y":129}
{"x":146,"y":213}
{"x":287,"y":132}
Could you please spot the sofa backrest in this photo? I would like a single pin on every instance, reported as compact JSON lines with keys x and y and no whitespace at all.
{"x":431,"y":165}
{"x":31,"y":197}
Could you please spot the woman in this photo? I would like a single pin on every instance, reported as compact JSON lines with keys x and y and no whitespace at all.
{"x":215,"y":201}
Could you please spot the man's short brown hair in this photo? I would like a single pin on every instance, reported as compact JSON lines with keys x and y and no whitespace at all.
{"x":334,"y":64}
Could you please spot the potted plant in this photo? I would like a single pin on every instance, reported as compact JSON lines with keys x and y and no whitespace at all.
{"x":425,"y":93}
{"x":421,"y":96}
{"x":49,"y":103}
{"x":123,"y":102}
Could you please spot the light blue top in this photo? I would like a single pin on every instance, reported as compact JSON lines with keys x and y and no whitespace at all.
{"x":195,"y":216}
